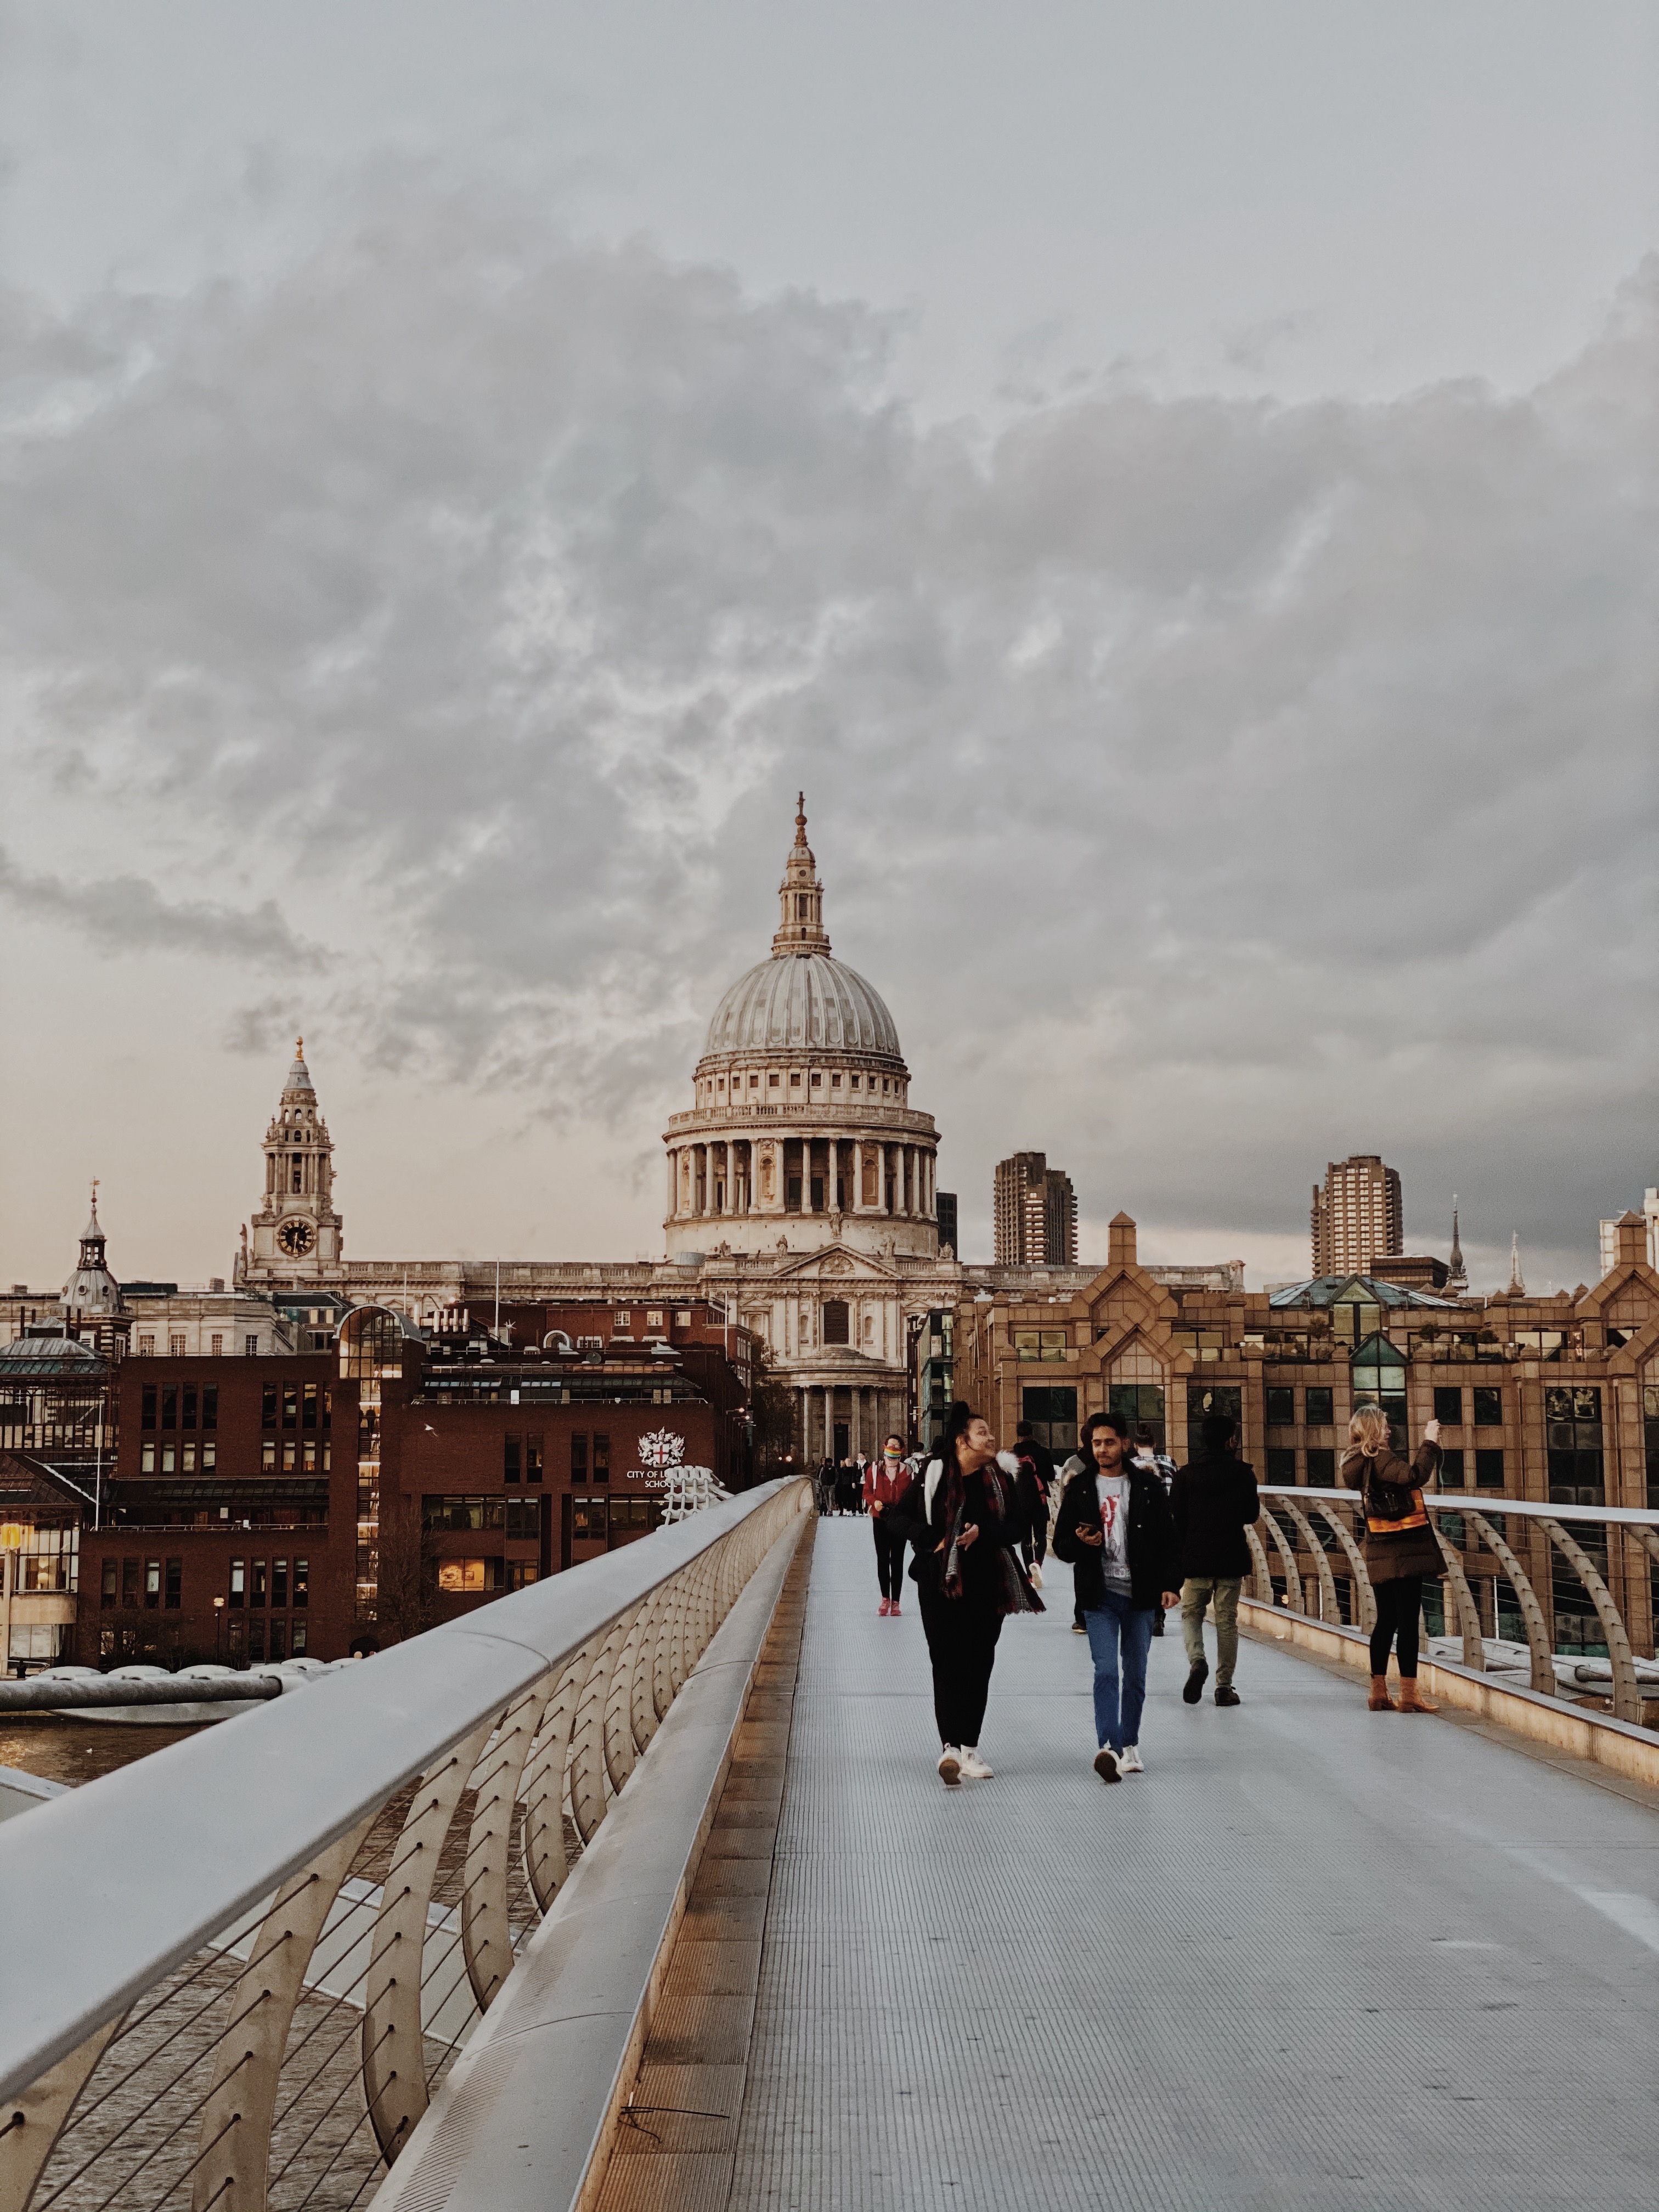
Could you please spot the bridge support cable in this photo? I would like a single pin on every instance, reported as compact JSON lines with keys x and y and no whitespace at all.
{"x":1365,"y":1597}
{"x":1626,"y":1696}
{"x":1330,"y":1604}
{"x":1468,"y":1613}
{"x":1532,"y":1614}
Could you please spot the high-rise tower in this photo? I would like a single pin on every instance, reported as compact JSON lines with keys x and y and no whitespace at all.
{"x":297,"y":1236}
{"x":1358,"y":1217}
{"x":1034,"y":1209}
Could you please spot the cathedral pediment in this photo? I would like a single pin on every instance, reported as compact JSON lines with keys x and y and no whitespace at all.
{"x":838,"y":1265}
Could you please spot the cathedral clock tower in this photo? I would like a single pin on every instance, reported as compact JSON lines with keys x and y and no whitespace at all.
{"x":296,"y":1233}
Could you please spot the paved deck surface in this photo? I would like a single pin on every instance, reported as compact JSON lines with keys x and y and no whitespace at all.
{"x":1314,"y":1958}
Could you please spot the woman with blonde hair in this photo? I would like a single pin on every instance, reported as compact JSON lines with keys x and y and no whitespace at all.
{"x":1400,"y":1546}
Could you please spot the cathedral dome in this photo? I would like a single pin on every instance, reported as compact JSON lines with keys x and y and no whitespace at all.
{"x":797,"y":1000}
{"x":802,"y":998}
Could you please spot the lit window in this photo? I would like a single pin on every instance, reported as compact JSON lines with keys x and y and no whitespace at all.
{"x":460,"y":1574}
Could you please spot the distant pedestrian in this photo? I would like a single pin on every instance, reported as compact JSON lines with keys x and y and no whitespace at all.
{"x":885,"y":1482}
{"x":1214,"y":1500}
{"x":1159,"y":1463}
{"x":1037,"y":1468}
{"x":963,"y":1520}
{"x":846,"y":1488}
{"x":1115,"y":1528}
{"x":1399,"y":1549}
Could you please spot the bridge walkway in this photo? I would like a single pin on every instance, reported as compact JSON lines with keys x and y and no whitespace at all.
{"x":1314,"y":1958}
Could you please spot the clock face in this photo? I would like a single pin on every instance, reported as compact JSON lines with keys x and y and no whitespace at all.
{"x":296,"y":1238}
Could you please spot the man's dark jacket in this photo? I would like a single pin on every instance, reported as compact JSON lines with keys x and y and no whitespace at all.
{"x":1214,"y":1500}
{"x":1154,"y":1564}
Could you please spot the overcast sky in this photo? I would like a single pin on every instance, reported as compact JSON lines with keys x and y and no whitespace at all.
{"x":1177,"y":486}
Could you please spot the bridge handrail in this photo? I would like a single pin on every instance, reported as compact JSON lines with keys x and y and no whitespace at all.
{"x":1486,"y":1501}
{"x":1603,"y":1573}
{"x":113,"y":1886}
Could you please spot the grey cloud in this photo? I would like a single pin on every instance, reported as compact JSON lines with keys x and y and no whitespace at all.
{"x":1212,"y":786}
{"x":127,"y":913}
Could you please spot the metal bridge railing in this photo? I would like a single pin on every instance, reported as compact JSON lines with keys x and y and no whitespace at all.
{"x":1576,"y":1564}
{"x":234,"y":1972}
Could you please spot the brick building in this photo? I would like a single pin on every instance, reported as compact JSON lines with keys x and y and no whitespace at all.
{"x":263,"y":1509}
{"x":227,"y":1529}
{"x":1543,"y":1398}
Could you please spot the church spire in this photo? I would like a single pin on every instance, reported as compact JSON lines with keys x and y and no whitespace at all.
{"x":1457,"y":1275}
{"x":1517,"y":1288}
{"x":800,"y":896}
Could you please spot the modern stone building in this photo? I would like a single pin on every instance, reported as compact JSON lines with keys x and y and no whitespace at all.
{"x":1357,"y":1216}
{"x":1033,"y":1209}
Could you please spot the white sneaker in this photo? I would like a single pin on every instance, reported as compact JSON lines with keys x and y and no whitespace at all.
{"x":1130,"y":1761}
{"x":1035,"y":1575}
{"x":973,"y":1767}
{"x":950,"y":1767}
{"x":1106,"y":1765}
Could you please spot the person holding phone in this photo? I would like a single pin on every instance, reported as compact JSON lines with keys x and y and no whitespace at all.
{"x":964,"y":1518}
{"x":1116,"y":1530}
{"x":1399,"y":1549}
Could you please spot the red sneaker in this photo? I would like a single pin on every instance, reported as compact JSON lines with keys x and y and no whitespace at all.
{"x":884,"y":1608}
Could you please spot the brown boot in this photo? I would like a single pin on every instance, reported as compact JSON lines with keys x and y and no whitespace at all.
{"x":1379,"y":1700}
{"x":1412,"y":1699}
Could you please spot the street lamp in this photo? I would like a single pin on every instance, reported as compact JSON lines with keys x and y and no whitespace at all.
{"x":218,"y":1623}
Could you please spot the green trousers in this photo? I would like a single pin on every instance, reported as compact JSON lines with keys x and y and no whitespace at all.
{"x":1196,"y":1593}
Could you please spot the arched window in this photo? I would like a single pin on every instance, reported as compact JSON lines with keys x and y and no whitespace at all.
{"x":835,"y":1321}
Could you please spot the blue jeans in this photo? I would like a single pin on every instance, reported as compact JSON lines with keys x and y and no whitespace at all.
{"x":1120,"y":1621}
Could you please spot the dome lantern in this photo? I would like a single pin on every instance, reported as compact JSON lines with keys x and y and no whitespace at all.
{"x":800,"y":896}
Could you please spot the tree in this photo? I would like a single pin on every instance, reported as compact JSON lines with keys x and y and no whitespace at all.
{"x":772,"y":1407}
{"x":408,"y":1574}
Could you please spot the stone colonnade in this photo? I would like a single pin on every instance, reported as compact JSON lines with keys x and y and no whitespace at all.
{"x":823,"y":1172}
{"x":866,"y":1411}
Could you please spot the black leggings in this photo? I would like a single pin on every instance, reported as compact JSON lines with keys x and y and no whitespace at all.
{"x":890,"y":1558}
{"x":962,"y":1642}
{"x":1399,"y":1603}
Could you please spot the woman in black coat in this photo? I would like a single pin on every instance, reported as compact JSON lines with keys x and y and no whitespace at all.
{"x":1400,"y":1547}
{"x":964,"y":1520}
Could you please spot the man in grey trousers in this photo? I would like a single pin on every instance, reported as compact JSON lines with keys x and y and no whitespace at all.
{"x":1213,"y":1499}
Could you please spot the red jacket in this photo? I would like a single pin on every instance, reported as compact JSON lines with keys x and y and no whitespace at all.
{"x":882,"y":1488}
